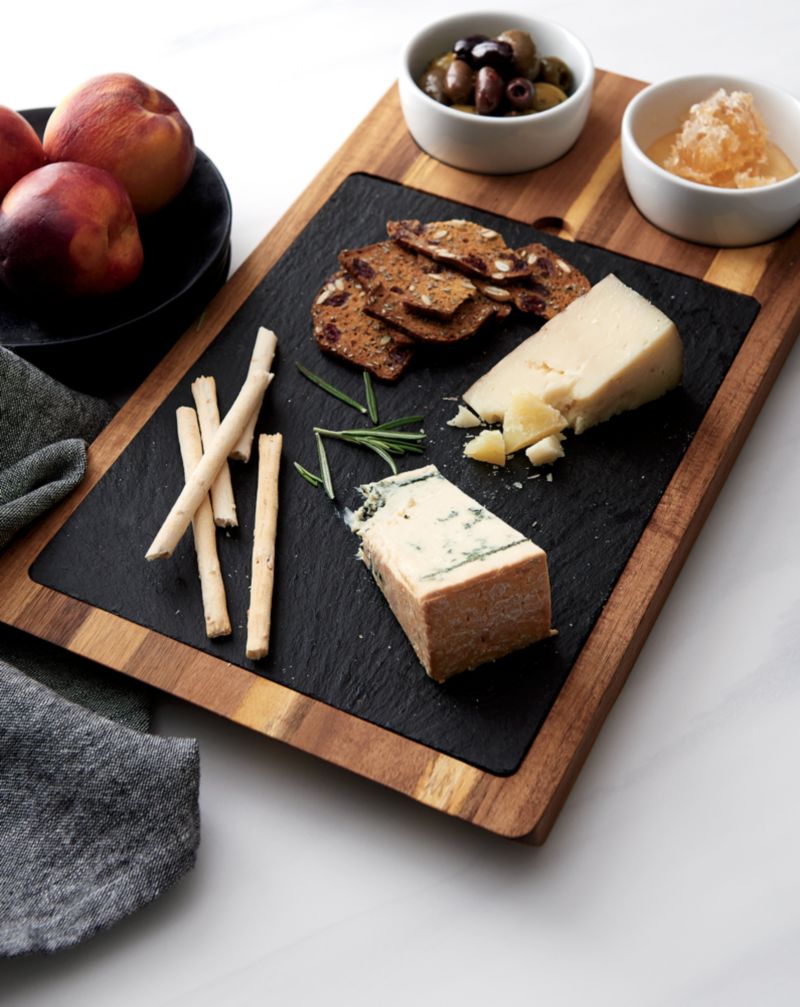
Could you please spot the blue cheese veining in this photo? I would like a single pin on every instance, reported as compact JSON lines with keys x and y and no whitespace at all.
{"x":466,"y":587}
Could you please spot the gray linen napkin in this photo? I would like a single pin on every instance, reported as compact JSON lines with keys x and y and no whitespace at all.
{"x":95,"y":818}
{"x":42,"y":429}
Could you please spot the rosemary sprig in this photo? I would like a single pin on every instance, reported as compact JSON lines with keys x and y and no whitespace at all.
{"x":324,"y":468}
{"x":385,"y":440}
{"x":331,"y":389}
{"x":372,"y":402}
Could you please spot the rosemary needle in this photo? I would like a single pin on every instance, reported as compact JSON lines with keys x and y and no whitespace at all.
{"x":383,"y":453}
{"x":402,"y":421}
{"x":324,"y":468}
{"x":308,"y":476}
{"x":372,"y":402}
{"x":330,"y":389}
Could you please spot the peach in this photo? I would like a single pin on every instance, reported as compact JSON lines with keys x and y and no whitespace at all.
{"x":20,"y":148}
{"x":68,"y":230}
{"x":123,"y":125}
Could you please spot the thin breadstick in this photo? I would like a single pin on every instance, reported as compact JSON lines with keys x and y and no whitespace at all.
{"x":199,"y":482}
{"x":263,"y":354}
{"x":215,"y":606}
{"x":259,"y":615}
{"x":204,"y":391}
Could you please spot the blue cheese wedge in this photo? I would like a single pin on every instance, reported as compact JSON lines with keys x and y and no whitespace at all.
{"x":608,"y":351}
{"x":466,"y":587}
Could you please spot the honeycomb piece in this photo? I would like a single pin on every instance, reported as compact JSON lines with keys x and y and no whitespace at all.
{"x":723,"y":143}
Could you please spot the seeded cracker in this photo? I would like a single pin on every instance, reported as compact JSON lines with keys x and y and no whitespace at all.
{"x":554,"y":283}
{"x":342,"y":329}
{"x":464,"y":245}
{"x":466,"y":322}
{"x":421,"y":284}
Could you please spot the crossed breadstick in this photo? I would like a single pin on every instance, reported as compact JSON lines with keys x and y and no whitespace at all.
{"x":223,"y":441}
{"x":205,"y":474}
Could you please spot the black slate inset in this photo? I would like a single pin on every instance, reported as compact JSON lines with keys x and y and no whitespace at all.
{"x":333,"y":636}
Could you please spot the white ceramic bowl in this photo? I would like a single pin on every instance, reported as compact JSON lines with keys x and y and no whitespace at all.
{"x":703,"y":213}
{"x":495,"y":146}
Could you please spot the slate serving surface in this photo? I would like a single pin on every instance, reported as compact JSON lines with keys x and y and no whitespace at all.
{"x":333,"y":636}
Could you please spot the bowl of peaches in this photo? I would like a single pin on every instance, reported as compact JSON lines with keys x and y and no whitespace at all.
{"x":114,"y":227}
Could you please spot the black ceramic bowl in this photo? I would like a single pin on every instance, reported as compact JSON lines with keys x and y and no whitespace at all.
{"x":101,"y":344}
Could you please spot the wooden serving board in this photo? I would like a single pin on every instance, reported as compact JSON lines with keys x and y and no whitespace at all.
{"x":583,"y":197}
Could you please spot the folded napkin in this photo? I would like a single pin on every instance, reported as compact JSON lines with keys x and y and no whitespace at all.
{"x":96,"y":818}
{"x":43,"y":427}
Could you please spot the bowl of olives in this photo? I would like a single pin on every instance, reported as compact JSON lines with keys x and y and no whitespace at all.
{"x":495,"y":93}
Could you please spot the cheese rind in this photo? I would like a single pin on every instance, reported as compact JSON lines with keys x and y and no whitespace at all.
{"x":609,"y":351}
{"x":466,"y":587}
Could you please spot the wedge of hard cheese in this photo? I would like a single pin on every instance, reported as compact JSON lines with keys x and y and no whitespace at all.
{"x":608,"y":351}
{"x":465,"y":586}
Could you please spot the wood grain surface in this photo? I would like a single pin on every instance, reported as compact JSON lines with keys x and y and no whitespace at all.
{"x":582,"y":196}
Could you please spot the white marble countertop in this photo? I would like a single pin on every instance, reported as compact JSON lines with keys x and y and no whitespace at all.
{"x":672,"y":876}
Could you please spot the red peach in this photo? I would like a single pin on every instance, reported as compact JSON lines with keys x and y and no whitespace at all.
{"x":20,"y":148}
{"x":68,"y":230}
{"x":123,"y":125}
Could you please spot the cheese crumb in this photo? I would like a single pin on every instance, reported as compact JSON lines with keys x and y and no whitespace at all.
{"x":546,"y":451}
{"x":464,"y":419}
{"x":488,"y":446}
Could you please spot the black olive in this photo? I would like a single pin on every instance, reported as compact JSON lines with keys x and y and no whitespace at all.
{"x":488,"y":90}
{"x":463,"y":48}
{"x":459,"y":81}
{"x":519,"y":94}
{"x":498,"y":55}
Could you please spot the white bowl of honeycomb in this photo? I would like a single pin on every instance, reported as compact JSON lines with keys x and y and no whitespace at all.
{"x":713,"y":159}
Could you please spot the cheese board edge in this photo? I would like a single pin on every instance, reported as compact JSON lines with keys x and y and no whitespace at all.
{"x":523,"y":805}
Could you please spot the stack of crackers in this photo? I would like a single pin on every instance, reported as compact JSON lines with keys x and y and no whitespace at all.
{"x":433,"y":283}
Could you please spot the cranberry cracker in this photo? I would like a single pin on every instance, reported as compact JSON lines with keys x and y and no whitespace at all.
{"x":552,"y":285}
{"x":419,"y":283}
{"x":464,"y":245}
{"x":342,"y":329}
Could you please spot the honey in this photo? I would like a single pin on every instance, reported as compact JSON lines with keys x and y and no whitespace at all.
{"x":724,"y":143}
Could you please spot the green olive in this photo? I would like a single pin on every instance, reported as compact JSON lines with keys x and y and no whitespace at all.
{"x":546,"y":96}
{"x":555,"y":71}
{"x":524,"y":50}
{"x":432,"y":83}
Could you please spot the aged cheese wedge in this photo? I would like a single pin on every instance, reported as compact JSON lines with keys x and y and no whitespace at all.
{"x":465,"y":586}
{"x":528,"y":419}
{"x":546,"y":451}
{"x":609,"y":351}
{"x":488,"y":446}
